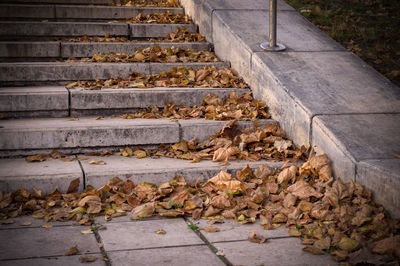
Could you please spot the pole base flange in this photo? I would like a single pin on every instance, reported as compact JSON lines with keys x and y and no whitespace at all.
{"x":279,"y":47}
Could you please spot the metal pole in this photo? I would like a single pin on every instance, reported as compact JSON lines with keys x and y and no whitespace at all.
{"x":272,"y":45}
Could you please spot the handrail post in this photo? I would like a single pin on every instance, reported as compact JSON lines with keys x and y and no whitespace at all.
{"x":272,"y":45}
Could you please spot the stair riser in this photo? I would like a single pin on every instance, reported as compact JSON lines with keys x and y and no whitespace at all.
{"x":58,"y":102}
{"x":29,"y":73}
{"x":74,"y":12}
{"x":75,"y":136}
{"x":48,"y":50}
{"x":50,"y":30}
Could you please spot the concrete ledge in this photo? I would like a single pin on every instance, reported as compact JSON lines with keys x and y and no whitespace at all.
{"x":88,"y":49}
{"x":107,"y":101}
{"x":31,"y":101}
{"x":157,"y":30}
{"x":49,"y":71}
{"x":29,"y":49}
{"x":384,"y":176}
{"x":46,"y":176}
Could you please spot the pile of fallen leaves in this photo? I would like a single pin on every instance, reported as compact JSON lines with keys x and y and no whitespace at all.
{"x":233,"y":143}
{"x":330,"y":216}
{"x":158,"y":18}
{"x":180,"y":35}
{"x":206,"y":77}
{"x":213,"y":107}
{"x":86,"y":38}
{"x":153,"y":54}
{"x":141,"y":3}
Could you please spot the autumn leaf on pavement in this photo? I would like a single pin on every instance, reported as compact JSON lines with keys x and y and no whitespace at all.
{"x":256,"y":239}
{"x":210,"y":229}
{"x":73,"y":186}
{"x":72,"y":251}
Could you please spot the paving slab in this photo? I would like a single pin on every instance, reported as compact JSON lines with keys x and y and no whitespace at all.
{"x":26,"y":134}
{"x":26,"y":11}
{"x":232,"y":230}
{"x":40,"y":242}
{"x":348,"y":139}
{"x":157,"y":30}
{"x":107,"y":101}
{"x":178,"y":256}
{"x":36,"y":223}
{"x":52,"y":261}
{"x":107,"y":12}
{"x":61,"y":29}
{"x":47,"y":176}
{"x":383,"y":177}
{"x":34,"y":101}
{"x":159,"y":170}
{"x":29,"y":49}
{"x":142,"y":234}
{"x":284,"y":251}
{"x":31,"y":72}
{"x":74,"y":49}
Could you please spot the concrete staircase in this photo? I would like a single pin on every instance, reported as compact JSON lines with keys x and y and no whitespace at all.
{"x":42,"y":114}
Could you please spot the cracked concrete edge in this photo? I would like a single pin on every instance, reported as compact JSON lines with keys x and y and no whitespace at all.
{"x":298,"y":121}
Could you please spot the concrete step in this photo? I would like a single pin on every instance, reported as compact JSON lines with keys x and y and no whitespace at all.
{"x":32,"y":136}
{"x":47,"y":50}
{"x":76,"y":12}
{"x":57,"y":101}
{"x":33,"y":73}
{"x":28,"y":30}
{"x":52,"y":174}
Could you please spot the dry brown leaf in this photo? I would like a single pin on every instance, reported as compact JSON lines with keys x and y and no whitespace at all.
{"x":73,"y":186}
{"x":210,"y":229}
{"x":72,"y":251}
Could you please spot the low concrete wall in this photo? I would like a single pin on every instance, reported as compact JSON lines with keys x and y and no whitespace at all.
{"x":321,"y":94}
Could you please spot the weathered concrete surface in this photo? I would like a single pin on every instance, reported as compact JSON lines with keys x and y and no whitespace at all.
{"x":55,"y":29}
{"x":285,"y":251}
{"x":29,"y":49}
{"x":124,"y":100}
{"x":178,"y":256}
{"x":158,"y":170}
{"x":141,"y":234}
{"x":44,"y":242}
{"x":35,"y":223}
{"x":29,"y":101}
{"x":384,"y":177}
{"x":26,"y":11}
{"x":85,"y":132}
{"x":52,"y":261}
{"x":157,"y":30}
{"x":232,"y":230}
{"x":88,"y":49}
{"x":107,"y":12}
{"x":49,"y":71}
{"x":353,"y":138}
{"x":201,"y":10}
{"x":47,"y":175}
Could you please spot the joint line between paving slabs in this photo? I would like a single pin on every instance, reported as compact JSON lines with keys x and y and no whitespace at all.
{"x":209,"y":245}
{"x":160,"y":247}
{"x":245,"y":240}
{"x":69,"y":101}
{"x":101,"y":247}
{"x":83,"y":174}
